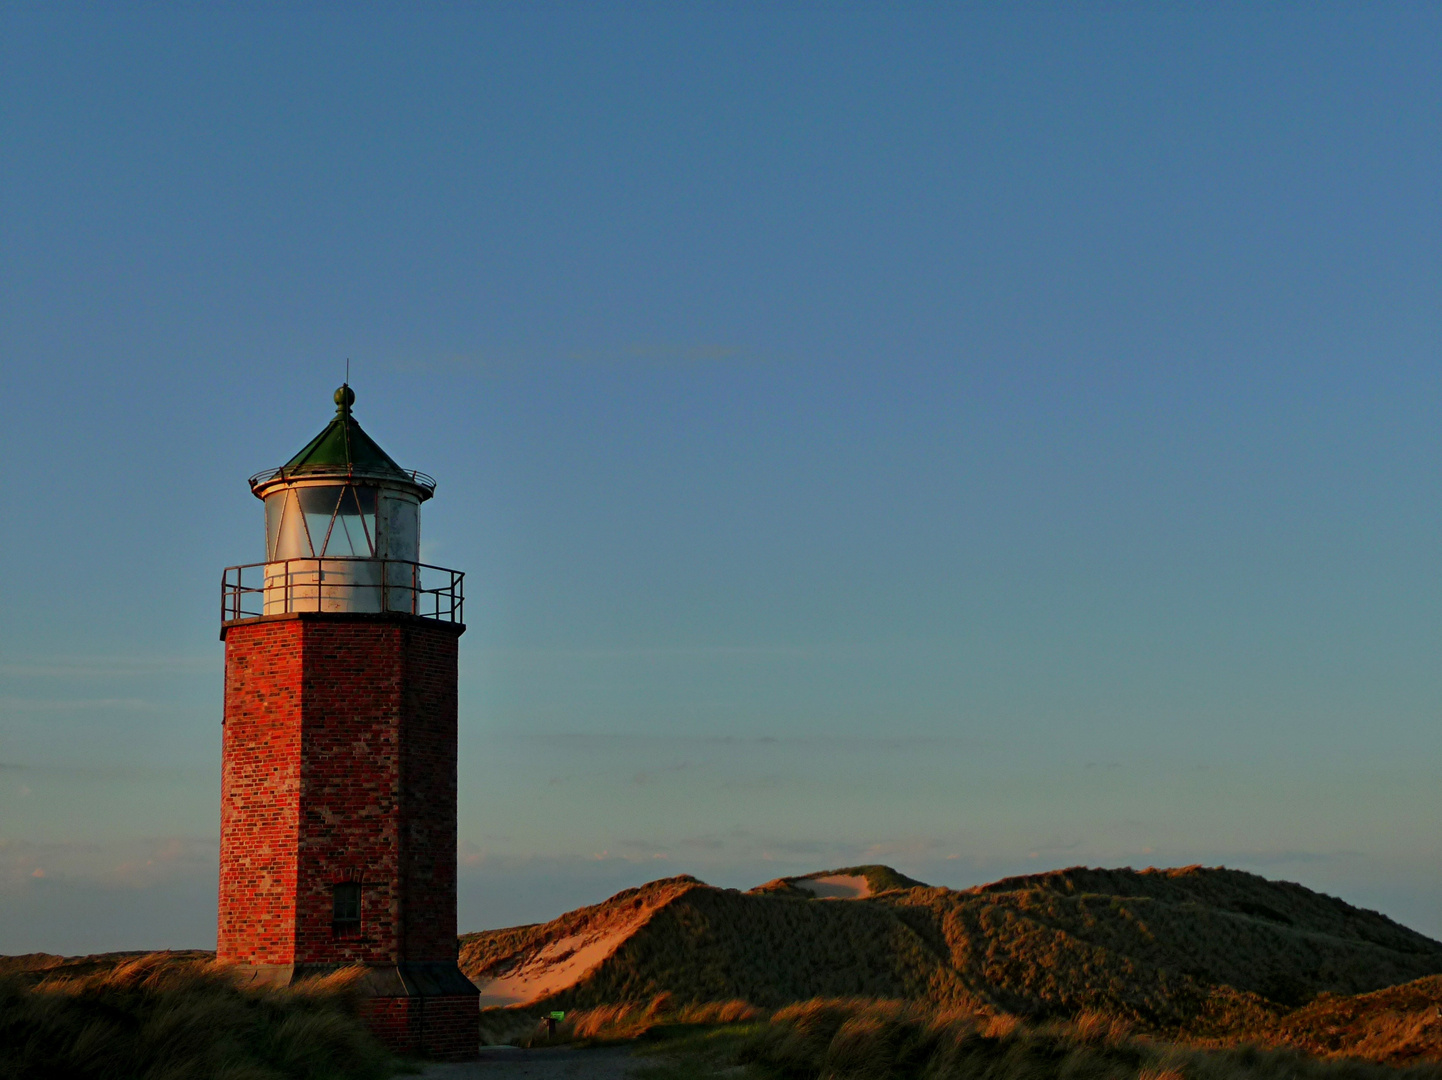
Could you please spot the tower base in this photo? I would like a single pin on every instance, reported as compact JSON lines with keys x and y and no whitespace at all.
{"x":415,"y":1009}
{"x":442,"y":1028}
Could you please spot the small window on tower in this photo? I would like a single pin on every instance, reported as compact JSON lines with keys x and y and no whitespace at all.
{"x":346,"y":913}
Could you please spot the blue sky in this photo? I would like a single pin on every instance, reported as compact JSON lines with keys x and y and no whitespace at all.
{"x":979,"y":439}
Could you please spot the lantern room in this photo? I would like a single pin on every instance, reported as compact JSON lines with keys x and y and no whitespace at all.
{"x":342,"y":533}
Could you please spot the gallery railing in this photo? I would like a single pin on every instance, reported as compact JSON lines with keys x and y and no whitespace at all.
{"x":342,"y":585}
{"x":420,"y":479}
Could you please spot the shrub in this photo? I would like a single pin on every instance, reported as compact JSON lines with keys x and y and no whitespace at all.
{"x":890,"y":1040}
{"x":154,"y":1019}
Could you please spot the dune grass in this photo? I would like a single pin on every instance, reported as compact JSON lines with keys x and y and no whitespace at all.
{"x":865,"y":1039}
{"x":152,"y":1018}
{"x":843,"y":1039}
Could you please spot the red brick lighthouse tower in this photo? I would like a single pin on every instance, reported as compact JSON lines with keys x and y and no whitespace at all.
{"x":338,"y":800}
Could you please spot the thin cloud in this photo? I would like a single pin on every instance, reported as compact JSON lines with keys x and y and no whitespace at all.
{"x":703,"y":843}
{"x":759,"y":783}
{"x":147,"y":773}
{"x":137,"y":863}
{"x":680,"y":652}
{"x":92,"y":667}
{"x":50,"y":705}
{"x":627,"y":740}
{"x":650,"y":776}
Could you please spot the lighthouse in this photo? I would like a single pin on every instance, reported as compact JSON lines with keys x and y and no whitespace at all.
{"x":338,"y":779}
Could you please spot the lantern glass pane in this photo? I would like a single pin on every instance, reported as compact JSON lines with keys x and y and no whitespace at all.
{"x":353,"y":533}
{"x":285,"y":533}
{"x":319,"y":505}
{"x":274,"y":515}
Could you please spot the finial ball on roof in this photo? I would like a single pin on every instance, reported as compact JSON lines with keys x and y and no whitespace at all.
{"x":344,"y":398}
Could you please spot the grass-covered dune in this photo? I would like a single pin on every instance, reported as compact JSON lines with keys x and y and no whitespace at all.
{"x":1192,"y":951}
{"x":1398,"y":1025}
{"x":167,"y":1016}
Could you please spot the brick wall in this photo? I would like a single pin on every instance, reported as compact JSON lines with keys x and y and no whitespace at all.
{"x":444,"y":1028}
{"x":428,"y":777}
{"x":395,"y":1023}
{"x":260,"y":793}
{"x":451,"y":1028}
{"x":339,"y":766}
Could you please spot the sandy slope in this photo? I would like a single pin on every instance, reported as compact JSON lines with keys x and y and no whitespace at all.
{"x":558,"y":964}
{"x":835,"y":886}
{"x":532,"y":963}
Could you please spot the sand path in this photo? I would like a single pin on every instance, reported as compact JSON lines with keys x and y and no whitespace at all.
{"x":559,"y":1063}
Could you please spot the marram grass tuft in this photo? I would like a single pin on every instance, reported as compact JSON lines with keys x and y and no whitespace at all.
{"x":153,"y":1018}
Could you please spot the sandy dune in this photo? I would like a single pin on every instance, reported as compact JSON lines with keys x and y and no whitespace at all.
{"x":559,"y":964}
{"x":835,"y":886}
{"x":1112,"y":937}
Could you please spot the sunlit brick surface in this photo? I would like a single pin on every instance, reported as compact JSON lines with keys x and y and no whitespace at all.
{"x":339,"y":765}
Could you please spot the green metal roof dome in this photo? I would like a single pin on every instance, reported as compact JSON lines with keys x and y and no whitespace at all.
{"x":344,"y":449}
